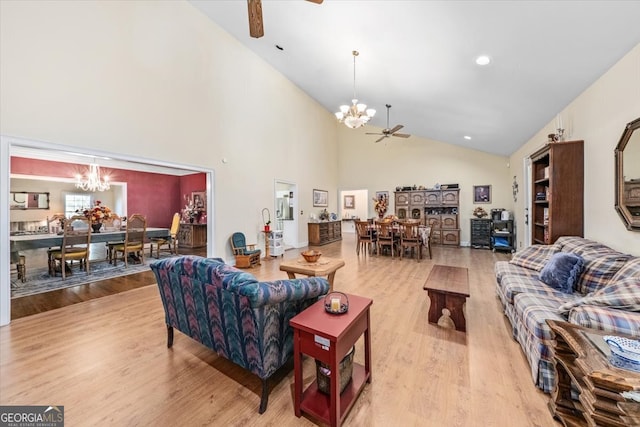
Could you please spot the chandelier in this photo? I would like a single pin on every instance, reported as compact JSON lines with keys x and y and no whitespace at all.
{"x":93,"y":180}
{"x":355,"y":115}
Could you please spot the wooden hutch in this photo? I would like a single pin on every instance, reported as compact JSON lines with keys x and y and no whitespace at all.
{"x":436,"y":208}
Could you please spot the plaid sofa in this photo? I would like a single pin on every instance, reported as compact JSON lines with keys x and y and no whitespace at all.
{"x":232,"y":313}
{"x":606,"y":297}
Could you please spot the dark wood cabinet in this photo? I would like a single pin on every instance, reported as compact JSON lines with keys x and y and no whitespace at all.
{"x":481,"y":233}
{"x":558,"y":191}
{"x":321,"y":233}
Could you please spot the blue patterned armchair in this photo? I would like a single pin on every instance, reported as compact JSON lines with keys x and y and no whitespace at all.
{"x":232,"y":313}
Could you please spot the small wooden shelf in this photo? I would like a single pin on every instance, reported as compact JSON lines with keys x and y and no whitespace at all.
{"x":316,"y":403}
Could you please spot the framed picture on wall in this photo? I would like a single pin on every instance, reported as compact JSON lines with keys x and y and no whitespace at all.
{"x":320,"y":198}
{"x":481,"y":194}
{"x":349,"y":202}
{"x":382,"y":194}
{"x":199,"y":199}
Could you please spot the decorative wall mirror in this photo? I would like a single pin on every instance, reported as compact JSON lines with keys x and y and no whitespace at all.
{"x":628,"y":176}
{"x":26,"y":200}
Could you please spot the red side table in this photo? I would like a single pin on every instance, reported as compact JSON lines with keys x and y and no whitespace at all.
{"x":328,"y":338}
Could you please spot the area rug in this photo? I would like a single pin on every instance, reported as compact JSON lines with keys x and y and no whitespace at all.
{"x":39,"y":281}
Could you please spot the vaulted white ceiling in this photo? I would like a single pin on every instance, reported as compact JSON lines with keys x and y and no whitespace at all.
{"x":419,"y":56}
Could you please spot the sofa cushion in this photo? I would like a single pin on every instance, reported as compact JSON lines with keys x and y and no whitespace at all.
{"x":505,"y":268}
{"x":631,"y":268}
{"x":599,"y":269}
{"x":623,"y":295}
{"x":514,"y":285}
{"x":562,"y":271}
{"x":534,"y":257}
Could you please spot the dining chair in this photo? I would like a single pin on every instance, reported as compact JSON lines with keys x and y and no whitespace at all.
{"x":410,"y":238}
{"x":171,"y":240}
{"x":425,"y":233}
{"x":367,"y":237}
{"x":133,"y":240}
{"x":76,"y":243}
{"x":387,"y":237}
{"x":114,"y":223}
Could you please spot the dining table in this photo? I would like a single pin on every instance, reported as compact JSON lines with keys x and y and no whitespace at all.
{"x":35,"y":240}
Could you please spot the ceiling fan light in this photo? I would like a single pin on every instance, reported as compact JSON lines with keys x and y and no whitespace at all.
{"x":339,"y":115}
{"x":344,"y":109}
{"x":361,"y":107}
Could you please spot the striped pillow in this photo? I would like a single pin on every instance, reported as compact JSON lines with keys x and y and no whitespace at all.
{"x":623,"y":295}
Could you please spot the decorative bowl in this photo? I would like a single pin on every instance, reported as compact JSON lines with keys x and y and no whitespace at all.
{"x":625,"y":353}
{"x":311,"y":256}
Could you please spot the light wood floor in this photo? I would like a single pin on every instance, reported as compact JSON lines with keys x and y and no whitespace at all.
{"x":106,"y":359}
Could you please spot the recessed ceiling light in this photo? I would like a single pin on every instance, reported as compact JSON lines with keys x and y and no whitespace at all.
{"x":467,"y":137}
{"x":483,"y":60}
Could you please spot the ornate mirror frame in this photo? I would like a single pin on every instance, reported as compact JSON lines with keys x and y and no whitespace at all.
{"x":627,"y":196}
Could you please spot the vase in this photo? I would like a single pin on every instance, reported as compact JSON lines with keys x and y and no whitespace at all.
{"x":191,"y":220}
{"x":96,"y":226}
{"x":381,"y":214}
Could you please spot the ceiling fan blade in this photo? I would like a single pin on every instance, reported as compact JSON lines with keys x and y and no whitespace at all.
{"x":396,"y":129}
{"x":256,"y":29}
{"x":401,"y":135}
{"x":316,"y":1}
{"x":381,"y":138}
{"x":372,"y":133}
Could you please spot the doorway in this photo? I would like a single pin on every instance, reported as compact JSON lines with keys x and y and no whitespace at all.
{"x":58,"y":152}
{"x":286,"y":207}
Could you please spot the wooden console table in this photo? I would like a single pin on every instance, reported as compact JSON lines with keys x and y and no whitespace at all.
{"x":581,"y":359}
{"x":328,"y":338}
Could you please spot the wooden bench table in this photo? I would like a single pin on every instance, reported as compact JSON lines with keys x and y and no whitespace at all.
{"x":448,"y":288}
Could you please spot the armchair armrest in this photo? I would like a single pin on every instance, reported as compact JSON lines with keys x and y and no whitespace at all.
{"x":251,"y":246}
{"x":607,"y":319}
{"x":266,"y":293}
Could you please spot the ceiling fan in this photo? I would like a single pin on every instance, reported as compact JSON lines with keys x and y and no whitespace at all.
{"x":256,"y":29}
{"x":386,"y":133}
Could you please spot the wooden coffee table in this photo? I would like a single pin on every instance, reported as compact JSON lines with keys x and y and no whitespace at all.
{"x":448,"y":287}
{"x":323,"y":267}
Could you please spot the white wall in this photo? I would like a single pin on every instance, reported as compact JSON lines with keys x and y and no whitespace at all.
{"x":598,"y":116}
{"x":420,"y":161}
{"x":159,"y":80}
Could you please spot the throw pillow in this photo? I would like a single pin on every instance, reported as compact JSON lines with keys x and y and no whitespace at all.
{"x":562,"y":271}
{"x":623,"y":295}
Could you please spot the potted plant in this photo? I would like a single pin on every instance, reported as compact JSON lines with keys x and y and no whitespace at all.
{"x":266,"y":219}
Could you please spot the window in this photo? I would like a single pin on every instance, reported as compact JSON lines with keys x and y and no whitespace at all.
{"x":74,"y":202}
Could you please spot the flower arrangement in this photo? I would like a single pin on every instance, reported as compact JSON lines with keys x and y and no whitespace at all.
{"x":380,"y":205}
{"x":479,"y":212}
{"x":97,"y":213}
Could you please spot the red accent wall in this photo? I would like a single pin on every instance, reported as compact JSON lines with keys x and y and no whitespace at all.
{"x":157,"y":196}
